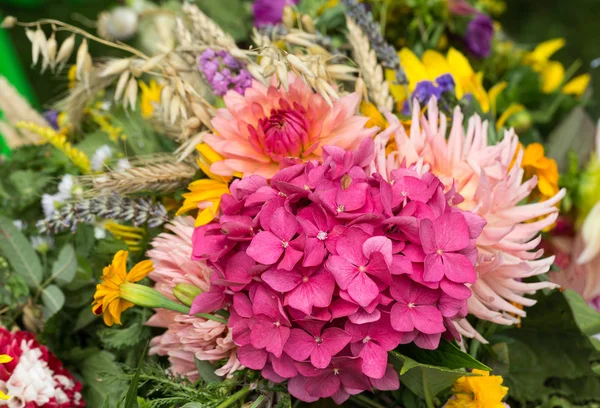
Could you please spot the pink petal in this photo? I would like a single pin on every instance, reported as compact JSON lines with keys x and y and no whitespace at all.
{"x":400,"y":318}
{"x":451,"y":232}
{"x":265,"y":248}
{"x":449,"y":306}
{"x":320,"y":356}
{"x":323,"y":386}
{"x":242,"y":305}
{"x":350,"y":246}
{"x":362,"y":316}
{"x":335,"y":339}
{"x":297,"y":387}
{"x":428,"y":341}
{"x":269,"y":373}
{"x":427,"y":236}
{"x":379,"y":268}
{"x":362,"y":289}
{"x":342,"y":270}
{"x":434,"y":268}
{"x":280,"y":280}
{"x":252,"y":358}
{"x":283,"y":224}
{"x":265,"y":303}
{"x":290,"y":258}
{"x":475,"y":223}
{"x":314,"y":252}
{"x":427,"y":319}
{"x":284,"y":366}
{"x":342,"y":308}
{"x":317,"y":291}
{"x":458,"y":268}
{"x":381,"y":245}
{"x":455,"y":290}
{"x":389,"y":381}
{"x":209,"y":302}
{"x":300,"y":345}
{"x":374,"y":359}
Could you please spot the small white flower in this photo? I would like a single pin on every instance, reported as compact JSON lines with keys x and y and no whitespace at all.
{"x":42,"y":244}
{"x":51,"y":203}
{"x":99,"y":232}
{"x":101,"y":158}
{"x":19,"y":224}
{"x":123,"y":164}
{"x":66,"y":186}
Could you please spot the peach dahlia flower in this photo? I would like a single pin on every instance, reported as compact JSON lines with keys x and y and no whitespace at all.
{"x":256,"y":131}
{"x":492,"y":187}
{"x":186,"y":336}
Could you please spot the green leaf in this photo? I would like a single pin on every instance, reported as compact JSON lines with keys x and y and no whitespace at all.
{"x":579,"y":123}
{"x":120,"y":338}
{"x":587,"y":318}
{"x":131,"y":397}
{"x":65,"y":266}
{"x":85,"y":317}
{"x":98,"y":390}
{"x":207,"y":371}
{"x":424,"y":379}
{"x":28,"y":183}
{"x":220,"y":11}
{"x":53,"y":299}
{"x":193,"y":405}
{"x":446,"y":355}
{"x":19,"y":253}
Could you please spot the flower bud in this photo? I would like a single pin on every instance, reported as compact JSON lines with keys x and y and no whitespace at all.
{"x":521,"y":122}
{"x":186,"y":293}
{"x":145,"y":296}
{"x":9,"y":22}
{"x":288,"y":17}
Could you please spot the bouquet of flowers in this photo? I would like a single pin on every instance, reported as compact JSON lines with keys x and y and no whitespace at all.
{"x":295,"y":213}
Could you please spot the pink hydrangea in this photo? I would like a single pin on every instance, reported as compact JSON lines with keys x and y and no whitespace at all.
{"x":325,"y":268}
{"x":186,"y":336}
{"x":258,"y":131}
{"x":489,"y":179}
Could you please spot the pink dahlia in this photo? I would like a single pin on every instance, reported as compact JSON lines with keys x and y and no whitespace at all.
{"x":266,"y":126}
{"x":490,"y":185}
{"x":327,"y":267}
{"x":35,"y":377}
{"x":186,"y":336}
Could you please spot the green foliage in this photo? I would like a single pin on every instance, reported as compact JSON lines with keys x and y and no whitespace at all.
{"x":19,"y":253}
{"x":53,"y":299}
{"x":207,"y":371}
{"x":125,"y":337}
{"x":549,"y":355}
{"x":94,"y":370}
{"x":65,"y":266}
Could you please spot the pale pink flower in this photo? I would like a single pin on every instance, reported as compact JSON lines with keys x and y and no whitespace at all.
{"x":482,"y":174}
{"x":186,"y":336}
{"x":256,"y":131}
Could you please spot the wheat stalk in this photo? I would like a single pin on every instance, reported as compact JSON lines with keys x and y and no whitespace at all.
{"x":366,"y":59}
{"x":16,"y":109}
{"x":161,"y":177}
{"x":206,"y":30}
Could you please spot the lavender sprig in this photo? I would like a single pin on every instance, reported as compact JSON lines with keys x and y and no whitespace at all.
{"x":385,"y":52}
{"x":136,"y":211}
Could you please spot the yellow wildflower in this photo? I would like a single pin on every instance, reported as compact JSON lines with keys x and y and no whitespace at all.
{"x":3,"y":360}
{"x":132,"y":236}
{"x":107,"y":299}
{"x":481,"y":391}
{"x":535,"y":163}
{"x":72,"y":75}
{"x":539,"y":57}
{"x":150,"y":97}
{"x":432,"y":65}
{"x":375,"y":117}
{"x":59,"y":141}
{"x":205,"y":194}
{"x":577,"y":85}
{"x":512,"y":110}
{"x":114,"y":133}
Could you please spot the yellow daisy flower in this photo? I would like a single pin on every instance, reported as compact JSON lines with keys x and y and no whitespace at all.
{"x":205,"y":194}
{"x":3,"y":360}
{"x":546,"y":169}
{"x":481,"y":391}
{"x":150,"y":96}
{"x":108,"y":299}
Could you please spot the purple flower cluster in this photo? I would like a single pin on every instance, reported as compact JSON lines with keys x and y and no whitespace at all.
{"x":269,"y":12}
{"x":223,"y":72}
{"x":426,"y":89}
{"x":478,"y":38}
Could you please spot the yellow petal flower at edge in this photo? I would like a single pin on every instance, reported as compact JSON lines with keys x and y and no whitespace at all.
{"x":3,"y":360}
{"x":546,"y":169}
{"x":540,"y":56}
{"x":480,"y":391}
{"x":577,"y":85}
{"x":150,"y":96}
{"x":375,"y":117}
{"x":107,"y":299}
{"x":467,"y":81}
{"x":205,"y":194}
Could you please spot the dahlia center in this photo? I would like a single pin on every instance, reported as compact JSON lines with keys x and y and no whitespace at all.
{"x":322,"y":235}
{"x":285,"y":133}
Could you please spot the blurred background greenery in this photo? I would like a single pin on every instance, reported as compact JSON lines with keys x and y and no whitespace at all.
{"x":528,"y":22}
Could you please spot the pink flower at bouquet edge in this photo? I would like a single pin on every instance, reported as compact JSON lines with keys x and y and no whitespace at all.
{"x":256,"y":131}
{"x":186,"y":336}
{"x":482,"y":174}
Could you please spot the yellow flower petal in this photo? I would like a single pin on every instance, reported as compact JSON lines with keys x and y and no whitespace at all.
{"x":545,"y":50}
{"x":577,"y":85}
{"x":3,"y":396}
{"x":413,"y":67}
{"x":553,"y":75}
{"x":4,"y":358}
{"x":209,"y":153}
{"x":459,"y":64}
{"x":510,"y":111}
{"x":435,"y":64}
{"x":398,"y":91}
{"x":140,"y":271}
{"x":208,"y":214}
{"x":375,"y":117}
{"x":494,"y":92}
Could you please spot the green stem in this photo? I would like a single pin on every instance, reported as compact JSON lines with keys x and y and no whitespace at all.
{"x":474,"y":348}
{"x":211,"y":317}
{"x":235,"y":397}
